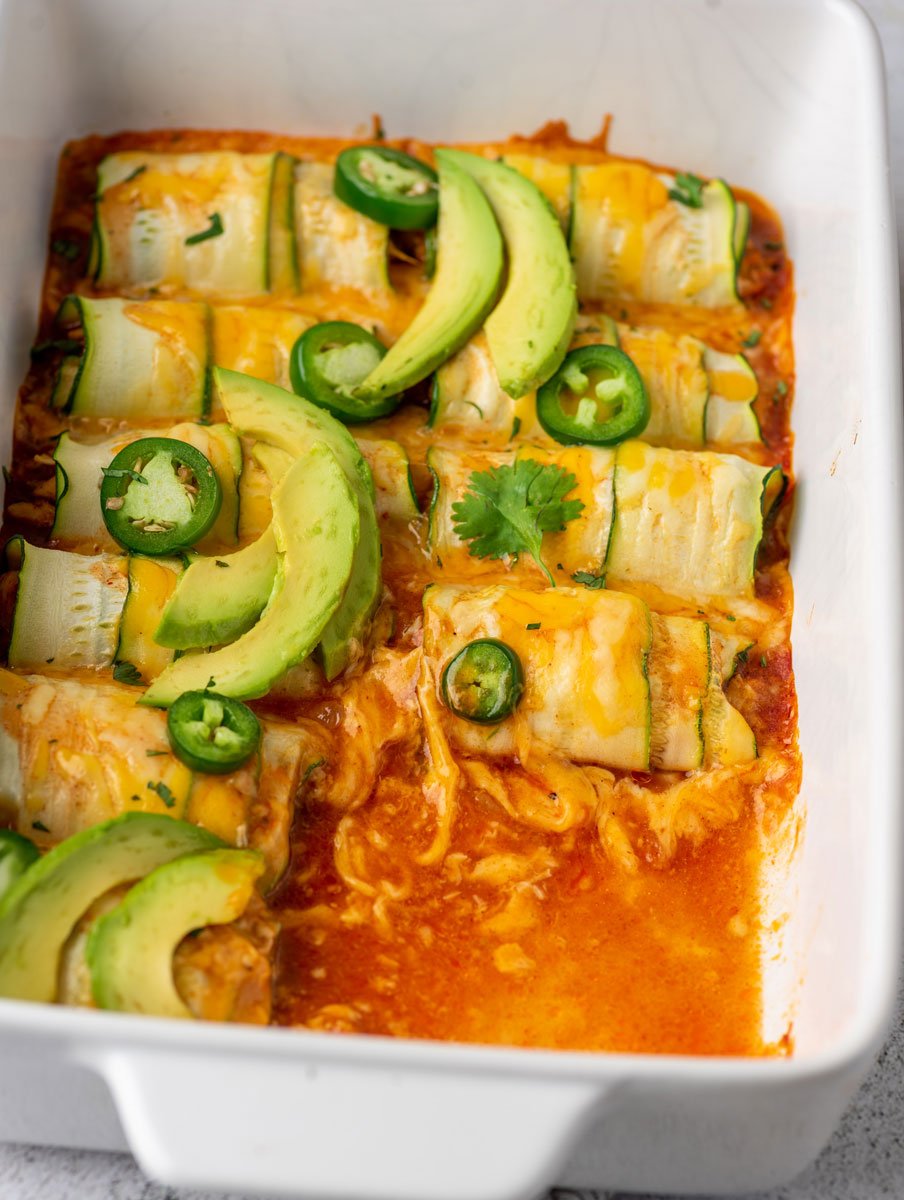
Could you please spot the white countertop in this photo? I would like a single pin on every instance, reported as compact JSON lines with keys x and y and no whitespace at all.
{"x":865,"y":1159}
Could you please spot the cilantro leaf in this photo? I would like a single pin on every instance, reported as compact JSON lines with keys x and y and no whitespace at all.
{"x":214,"y":229}
{"x":752,"y":338}
{"x":507,"y":509}
{"x":122,"y":473}
{"x":589,"y":580}
{"x":126,"y":672}
{"x":688,"y":190}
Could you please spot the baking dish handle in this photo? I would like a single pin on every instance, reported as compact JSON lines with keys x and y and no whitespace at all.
{"x":290,"y":1128}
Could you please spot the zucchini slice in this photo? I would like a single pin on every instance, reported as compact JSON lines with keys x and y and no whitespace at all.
{"x":257,"y":340}
{"x":727,"y":737}
{"x":141,"y":359}
{"x":336,"y":245}
{"x":151,"y":583}
{"x":584,"y":658}
{"x":79,"y":472}
{"x":631,"y":240}
{"x":731,"y":418}
{"x":689,"y":523}
{"x":679,"y":669}
{"x":68,"y":608}
{"x":395,"y":499}
{"x":673,"y":371}
{"x":214,"y":222}
{"x":466,"y":392}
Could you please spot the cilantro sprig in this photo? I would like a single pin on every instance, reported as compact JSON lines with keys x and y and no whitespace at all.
{"x":688,"y":190}
{"x":507,"y":509}
{"x":214,"y":229}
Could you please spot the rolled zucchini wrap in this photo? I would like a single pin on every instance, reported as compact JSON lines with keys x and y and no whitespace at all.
{"x":217,"y":222}
{"x":141,"y":359}
{"x":78,"y":519}
{"x":640,"y":234}
{"x":73,"y":754}
{"x":94,"y":612}
{"x":604,"y":680}
{"x":686,"y":523}
{"x":689,"y":523}
{"x":698,"y":396}
{"x":337,"y":246}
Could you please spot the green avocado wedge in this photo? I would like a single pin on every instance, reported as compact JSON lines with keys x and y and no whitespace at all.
{"x":292,"y":424}
{"x":218,"y":599}
{"x":130,"y":950}
{"x":17,"y":854}
{"x":468,"y":271}
{"x":38,"y":913}
{"x":529,"y":330}
{"x":315,"y":526}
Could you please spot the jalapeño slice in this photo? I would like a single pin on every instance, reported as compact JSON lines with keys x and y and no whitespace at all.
{"x":596,"y":397}
{"x":159,"y":495}
{"x":484,"y":682}
{"x":212,"y":733}
{"x":388,"y":186}
{"x":17,"y":854}
{"x":329,"y":360}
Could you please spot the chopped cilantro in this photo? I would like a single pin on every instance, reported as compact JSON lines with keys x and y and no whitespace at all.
{"x":65,"y":249}
{"x":762,"y":660}
{"x":688,"y":190}
{"x":589,"y":580}
{"x":214,"y":229}
{"x":163,"y":792}
{"x":773,"y":245}
{"x":766,"y":303}
{"x":40,"y":826}
{"x":134,"y":175}
{"x":155,"y":753}
{"x":781,"y":388}
{"x":507,"y":509}
{"x":219,"y":562}
{"x":122,"y":473}
{"x":126,"y":672}
{"x":752,"y":338}
{"x":516,"y":428}
{"x":533,"y":625}
{"x":729,"y":617}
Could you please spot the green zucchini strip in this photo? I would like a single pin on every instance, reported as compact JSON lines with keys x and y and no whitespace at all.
{"x":337,"y":246}
{"x":214,"y":222}
{"x":140,"y":359}
{"x":395,"y":500}
{"x":605,"y":680}
{"x":67,"y":609}
{"x":630,"y":239}
{"x":79,"y":471}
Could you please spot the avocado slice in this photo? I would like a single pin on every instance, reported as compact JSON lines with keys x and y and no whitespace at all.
{"x":315,"y":526}
{"x":530,"y":328}
{"x":468,"y":271}
{"x":219,"y":599}
{"x":17,"y":854}
{"x":291,"y":423}
{"x":38,"y":913}
{"x":130,"y":950}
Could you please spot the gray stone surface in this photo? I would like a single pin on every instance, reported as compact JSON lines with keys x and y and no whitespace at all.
{"x":864,"y":1160}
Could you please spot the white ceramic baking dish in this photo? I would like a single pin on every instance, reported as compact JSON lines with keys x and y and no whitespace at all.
{"x":783,"y":96}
